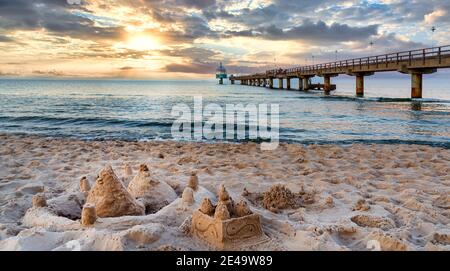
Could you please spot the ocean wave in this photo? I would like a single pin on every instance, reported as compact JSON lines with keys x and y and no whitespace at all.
{"x":86,"y":120}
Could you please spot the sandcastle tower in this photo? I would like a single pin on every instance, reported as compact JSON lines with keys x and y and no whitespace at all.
{"x":153,"y":193}
{"x":225,"y":199}
{"x":127,"y":170}
{"x":85,"y":186}
{"x":206,"y":207}
{"x":227,"y":225}
{"x":88,"y":215}
{"x":39,"y":201}
{"x":188,"y":196}
{"x":111,"y":198}
{"x":193,"y":181}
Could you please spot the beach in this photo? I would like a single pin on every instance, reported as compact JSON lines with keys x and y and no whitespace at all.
{"x":395,"y":194}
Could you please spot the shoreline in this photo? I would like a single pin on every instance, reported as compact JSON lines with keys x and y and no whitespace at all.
{"x":436,"y":144}
{"x":358,"y":189}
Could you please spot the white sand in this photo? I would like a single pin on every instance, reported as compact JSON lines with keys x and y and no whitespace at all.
{"x":398,"y":195}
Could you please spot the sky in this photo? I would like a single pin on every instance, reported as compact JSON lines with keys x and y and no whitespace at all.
{"x":186,"y":39}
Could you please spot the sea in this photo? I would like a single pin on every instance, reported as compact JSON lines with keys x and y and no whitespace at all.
{"x":141,"y":110}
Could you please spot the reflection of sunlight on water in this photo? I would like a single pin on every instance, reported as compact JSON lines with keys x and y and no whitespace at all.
{"x":139,"y":109}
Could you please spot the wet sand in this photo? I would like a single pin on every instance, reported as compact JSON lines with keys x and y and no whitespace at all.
{"x":398,"y":195}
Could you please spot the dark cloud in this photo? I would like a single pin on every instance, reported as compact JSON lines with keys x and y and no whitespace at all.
{"x":200,"y":4}
{"x":310,"y":31}
{"x":210,"y":68}
{"x":55,"y":16}
{"x":51,"y":73}
{"x":5,"y":39}
{"x":127,"y":68}
{"x":194,"y":53}
{"x":200,"y":68}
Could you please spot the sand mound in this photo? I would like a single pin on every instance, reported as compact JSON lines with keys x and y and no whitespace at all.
{"x":373,"y":222}
{"x":111,"y":198}
{"x":145,"y":234}
{"x":279,"y":197}
{"x":388,"y":242}
{"x":361,"y":205}
{"x":442,"y":237}
{"x":153,"y":193}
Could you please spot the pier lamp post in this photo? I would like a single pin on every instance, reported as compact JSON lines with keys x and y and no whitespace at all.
{"x":433,"y":29}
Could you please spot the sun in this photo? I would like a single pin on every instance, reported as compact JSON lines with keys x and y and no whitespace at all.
{"x":142,"y":43}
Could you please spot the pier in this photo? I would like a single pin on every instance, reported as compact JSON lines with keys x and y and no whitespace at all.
{"x":415,"y":63}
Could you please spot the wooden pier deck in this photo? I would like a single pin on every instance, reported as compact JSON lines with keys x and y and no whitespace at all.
{"x":416,"y":63}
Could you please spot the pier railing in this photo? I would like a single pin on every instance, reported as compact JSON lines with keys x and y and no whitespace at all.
{"x":435,"y":53}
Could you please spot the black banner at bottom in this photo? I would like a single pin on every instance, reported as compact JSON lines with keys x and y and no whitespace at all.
{"x":259,"y":261}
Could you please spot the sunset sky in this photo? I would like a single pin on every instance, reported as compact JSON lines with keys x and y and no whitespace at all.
{"x":169,"y":39}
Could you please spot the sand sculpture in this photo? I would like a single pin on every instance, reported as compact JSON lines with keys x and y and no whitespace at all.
{"x":188,"y":196}
{"x":227,"y":225}
{"x":39,"y":201}
{"x":279,"y":197}
{"x":193,"y":181}
{"x":154,"y":194}
{"x":128,"y":170}
{"x":88,"y":215}
{"x":111,"y":198}
{"x":85,"y":187}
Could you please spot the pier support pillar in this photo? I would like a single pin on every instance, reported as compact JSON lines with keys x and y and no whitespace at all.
{"x":327,"y":84}
{"x":232,"y":82}
{"x":271,"y":83}
{"x":288,"y":83}
{"x":360,"y":82}
{"x":305,"y":80}
{"x":417,"y":80}
{"x":280,"y":83}
{"x":300,"y":83}
{"x":416,"y":85}
{"x":360,"y":85}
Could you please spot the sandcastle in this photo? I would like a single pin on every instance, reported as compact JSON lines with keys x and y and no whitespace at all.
{"x":193,"y":181}
{"x":85,"y":187}
{"x":111,"y":198}
{"x":39,"y":201}
{"x":88,"y":215}
{"x":154,"y":194}
{"x":227,"y":225}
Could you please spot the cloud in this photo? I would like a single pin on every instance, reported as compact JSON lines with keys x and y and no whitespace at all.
{"x":199,"y":68}
{"x":55,"y":16}
{"x":5,"y":39}
{"x":127,"y":68}
{"x":435,"y":16}
{"x":52,"y":73}
{"x":312,"y":32}
{"x":192,"y":36}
